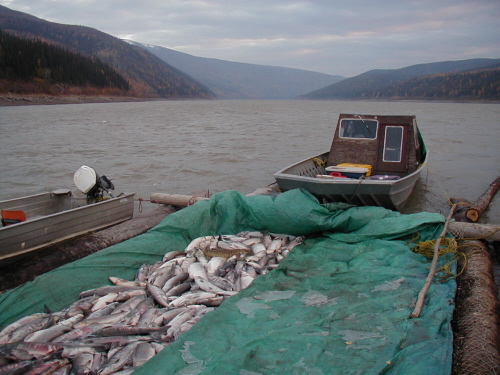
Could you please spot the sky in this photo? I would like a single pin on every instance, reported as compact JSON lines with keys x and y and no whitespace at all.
{"x":338,"y":37}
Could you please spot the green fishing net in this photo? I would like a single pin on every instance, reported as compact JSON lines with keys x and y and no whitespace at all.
{"x":338,"y":304}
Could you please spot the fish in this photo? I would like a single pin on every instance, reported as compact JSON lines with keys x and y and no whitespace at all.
{"x":177,"y":279}
{"x":48,"y":334}
{"x":146,"y":318}
{"x":158,"y":294}
{"x":77,"y":333}
{"x":107,"y":319}
{"x":221,"y":282}
{"x":259,"y":250}
{"x":274,"y":246}
{"x":103,"y":301}
{"x":178,"y":290}
{"x":194,"y":298}
{"x":142,"y":273}
{"x":118,"y":360}
{"x":162,"y":275}
{"x":21,"y":367}
{"x":105,"y":290}
{"x":6,"y":332}
{"x":117,"y":328}
{"x":35,"y":325}
{"x":226,"y":253}
{"x":28,"y":350}
{"x":172,"y":255}
{"x":207,"y":286}
{"x":82,"y":363}
{"x":143,"y":352}
{"x":214,"y":264}
{"x":135,"y":315}
{"x":195,"y":244}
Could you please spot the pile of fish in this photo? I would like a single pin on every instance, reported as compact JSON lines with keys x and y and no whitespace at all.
{"x":116,"y":328}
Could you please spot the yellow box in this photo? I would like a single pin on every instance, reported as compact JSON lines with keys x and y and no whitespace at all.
{"x":367,"y":166}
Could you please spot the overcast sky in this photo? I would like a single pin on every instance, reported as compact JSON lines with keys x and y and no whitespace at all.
{"x":344,"y":37}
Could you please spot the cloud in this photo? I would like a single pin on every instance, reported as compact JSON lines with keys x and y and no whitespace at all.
{"x":343,"y":37}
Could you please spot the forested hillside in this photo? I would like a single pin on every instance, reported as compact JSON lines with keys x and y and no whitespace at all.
{"x":473,"y":79}
{"x":148,"y":76}
{"x":28,"y":66}
{"x":477,"y":85}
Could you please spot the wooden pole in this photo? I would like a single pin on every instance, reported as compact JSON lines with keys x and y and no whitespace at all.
{"x":177,"y":200}
{"x":421,"y":296}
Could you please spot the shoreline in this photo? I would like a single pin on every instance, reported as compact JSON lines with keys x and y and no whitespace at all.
{"x":26,"y":100}
{"x":22,"y":100}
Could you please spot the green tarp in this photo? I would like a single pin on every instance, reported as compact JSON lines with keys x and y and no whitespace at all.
{"x":339,"y":304}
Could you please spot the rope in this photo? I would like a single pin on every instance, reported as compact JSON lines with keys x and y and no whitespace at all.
{"x":441,"y":187}
{"x":319,"y":162}
{"x":448,"y":246}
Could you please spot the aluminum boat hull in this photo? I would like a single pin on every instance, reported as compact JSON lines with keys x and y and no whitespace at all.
{"x":57,"y":216}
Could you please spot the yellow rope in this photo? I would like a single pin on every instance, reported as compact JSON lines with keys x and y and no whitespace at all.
{"x":448,"y":246}
{"x":439,"y":184}
{"x":318,"y":162}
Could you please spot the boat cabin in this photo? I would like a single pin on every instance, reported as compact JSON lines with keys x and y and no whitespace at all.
{"x":389,"y":144}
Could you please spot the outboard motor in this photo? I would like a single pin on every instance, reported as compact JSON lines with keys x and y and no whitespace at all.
{"x":90,"y":183}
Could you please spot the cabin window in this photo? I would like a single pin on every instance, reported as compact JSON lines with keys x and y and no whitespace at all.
{"x":357,"y":128}
{"x":393,"y":144}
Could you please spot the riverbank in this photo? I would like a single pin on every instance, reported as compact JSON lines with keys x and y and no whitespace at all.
{"x":18,"y":100}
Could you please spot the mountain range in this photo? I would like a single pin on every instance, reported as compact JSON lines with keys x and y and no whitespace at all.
{"x":233,"y":80}
{"x":158,"y":72}
{"x":481,"y":75}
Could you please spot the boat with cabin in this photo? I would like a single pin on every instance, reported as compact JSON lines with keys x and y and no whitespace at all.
{"x":374,"y":160}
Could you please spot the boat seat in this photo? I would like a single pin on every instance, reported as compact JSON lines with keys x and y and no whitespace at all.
{"x":12,"y":217}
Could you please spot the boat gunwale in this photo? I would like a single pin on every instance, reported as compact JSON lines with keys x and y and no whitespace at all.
{"x":55,"y":214}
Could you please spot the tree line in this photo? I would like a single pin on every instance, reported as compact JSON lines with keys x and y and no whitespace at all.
{"x":479,"y":85}
{"x":41,"y":62}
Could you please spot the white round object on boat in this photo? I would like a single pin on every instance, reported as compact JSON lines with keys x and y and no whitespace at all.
{"x":85,"y":178}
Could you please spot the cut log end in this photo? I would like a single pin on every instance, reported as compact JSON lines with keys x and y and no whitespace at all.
{"x":473,"y":215}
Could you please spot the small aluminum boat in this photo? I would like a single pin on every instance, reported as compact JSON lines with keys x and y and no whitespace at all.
{"x":36,"y":221}
{"x":373,"y":161}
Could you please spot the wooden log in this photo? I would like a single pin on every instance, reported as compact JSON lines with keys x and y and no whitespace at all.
{"x":476,"y":344}
{"x":464,"y":230}
{"x":476,"y":210}
{"x":177,"y":200}
{"x":482,"y":203}
{"x":19,"y":270}
{"x":463,"y":205}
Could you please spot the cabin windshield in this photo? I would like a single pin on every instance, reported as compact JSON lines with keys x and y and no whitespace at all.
{"x":357,"y":128}
{"x":393,"y":143}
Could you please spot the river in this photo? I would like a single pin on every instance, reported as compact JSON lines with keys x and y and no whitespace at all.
{"x":185,"y":146}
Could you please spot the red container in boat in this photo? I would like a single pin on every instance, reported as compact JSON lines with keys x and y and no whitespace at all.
{"x":337,"y":174}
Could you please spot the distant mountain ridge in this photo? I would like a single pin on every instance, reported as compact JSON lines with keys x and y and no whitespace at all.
{"x":381,"y":83}
{"x":233,"y":80}
{"x":148,"y":75}
{"x":158,"y":72}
